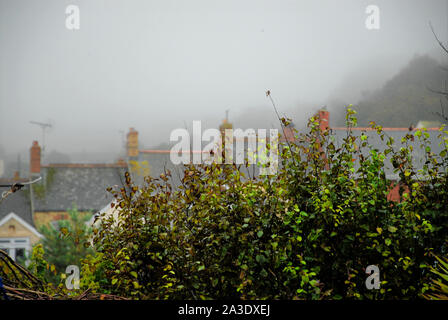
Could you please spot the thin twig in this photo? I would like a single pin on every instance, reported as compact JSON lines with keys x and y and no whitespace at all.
{"x":268,"y":94}
{"x":437,"y":39}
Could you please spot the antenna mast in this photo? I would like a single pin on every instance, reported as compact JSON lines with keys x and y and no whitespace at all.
{"x":43,"y":126}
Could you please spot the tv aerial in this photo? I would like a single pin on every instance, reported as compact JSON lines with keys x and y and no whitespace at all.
{"x":44,"y":126}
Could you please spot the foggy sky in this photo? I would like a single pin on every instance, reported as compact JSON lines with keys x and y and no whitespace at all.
{"x":156,"y":65}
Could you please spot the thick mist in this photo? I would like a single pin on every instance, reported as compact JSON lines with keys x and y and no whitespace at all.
{"x":159,"y":65}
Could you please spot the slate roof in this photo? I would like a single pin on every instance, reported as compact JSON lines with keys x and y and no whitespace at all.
{"x":17,"y":202}
{"x":158,"y":161}
{"x":81,"y":185}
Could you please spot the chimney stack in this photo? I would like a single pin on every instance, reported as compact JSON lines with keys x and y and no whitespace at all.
{"x":121,"y":162}
{"x":289,"y":134}
{"x":132,"y":143}
{"x":35,"y":158}
{"x":324,"y":120}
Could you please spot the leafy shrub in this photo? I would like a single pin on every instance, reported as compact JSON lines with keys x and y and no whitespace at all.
{"x":308,"y":232}
{"x":63,"y":244}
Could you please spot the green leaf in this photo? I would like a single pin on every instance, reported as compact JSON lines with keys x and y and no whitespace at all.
{"x":392,"y":229}
{"x":260,"y":258}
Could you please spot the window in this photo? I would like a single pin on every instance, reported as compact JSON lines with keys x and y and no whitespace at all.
{"x":20,"y":255}
{"x":16,"y":248}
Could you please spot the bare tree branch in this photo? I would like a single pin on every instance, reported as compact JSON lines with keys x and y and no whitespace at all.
{"x":437,"y":39}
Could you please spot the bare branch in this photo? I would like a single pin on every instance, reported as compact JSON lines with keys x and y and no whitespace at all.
{"x":437,"y":39}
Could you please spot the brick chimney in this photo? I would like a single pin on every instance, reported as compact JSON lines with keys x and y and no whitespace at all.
{"x":121,"y":162}
{"x":35,"y":158}
{"x":324,"y":120}
{"x":225,"y":125}
{"x":132,"y":143}
{"x":289,"y":134}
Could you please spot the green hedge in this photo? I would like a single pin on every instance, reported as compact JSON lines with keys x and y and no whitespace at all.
{"x":308,"y":232}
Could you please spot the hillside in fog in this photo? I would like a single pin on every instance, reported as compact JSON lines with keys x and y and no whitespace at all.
{"x":406,"y":98}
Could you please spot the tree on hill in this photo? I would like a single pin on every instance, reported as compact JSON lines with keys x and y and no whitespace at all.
{"x":405,"y":99}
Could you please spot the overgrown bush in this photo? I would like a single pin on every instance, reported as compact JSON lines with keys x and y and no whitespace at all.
{"x":308,"y":232}
{"x":63,"y":244}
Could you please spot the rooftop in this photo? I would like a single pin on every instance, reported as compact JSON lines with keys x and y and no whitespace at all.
{"x":83,"y":185}
{"x":17,"y":202}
